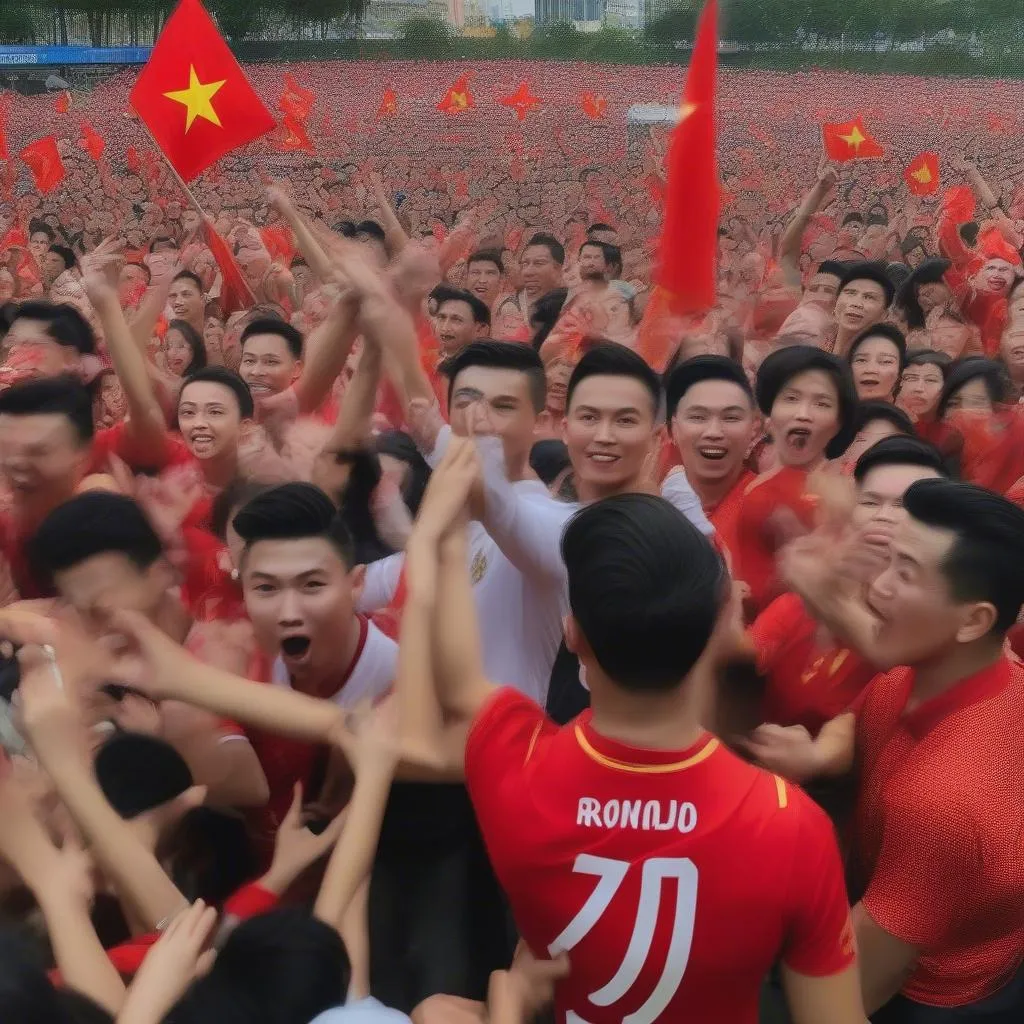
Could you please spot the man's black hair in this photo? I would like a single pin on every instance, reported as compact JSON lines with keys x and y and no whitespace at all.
{"x":853,"y":216}
{"x":188,"y":275}
{"x":696,"y":371}
{"x":138,"y":772}
{"x":833,"y":267}
{"x":930,"y":271}
{"x":229,"y":379}
{"x":600,"y":226}
{"x":481,"y":314}
{"x":48,"y":396}
{"x":869,"y":270}
{"x":645,"y":588}
{"x":545,"y":313}
{"x":90,"y":524}
{"x":195,"y":343}
{"x":608,"y":359}
{"x":992,"y":372}
{"x":552,"y":244}
{"x":984,"y":562}
{"x":930,"y":357}
{"x":267,"y":325}
{"x":782,"y":365}
{"x":871,"y":411}
{"x":63,"y":323}
{"x":293,"y":511}
{"x":487,"y":256}
{"x":613,"y":258}
{"x":549,"y":458}
{"x":372,"y":229}
{"x":66,"y":255}
{"x":37,"y":227}
{"x":888,"y":331}
{"x":500,"y":355}
{"x":900,"y":450}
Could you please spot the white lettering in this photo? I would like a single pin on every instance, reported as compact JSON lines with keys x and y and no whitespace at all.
{"x":687,"y":817}
{"x":630,"y":814}
{"x":611,"y":814}
{"x":589,"y":812}
{"x":662,"y":816}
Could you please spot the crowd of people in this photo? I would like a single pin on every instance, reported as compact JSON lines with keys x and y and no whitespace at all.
{"x":408,"y":614}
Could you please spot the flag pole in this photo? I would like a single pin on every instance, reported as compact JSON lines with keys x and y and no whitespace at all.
{"x":181,"y":181}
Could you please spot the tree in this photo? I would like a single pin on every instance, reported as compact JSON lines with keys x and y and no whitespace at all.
{"x":675,"y":26}
{"x":557,"y":39}
{"x":425,"y":38}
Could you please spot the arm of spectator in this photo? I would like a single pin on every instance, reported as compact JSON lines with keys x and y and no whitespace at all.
{"x":394,"y":233}
{"x":327,"y":349}
{"x":312,"y":251}
{"x":790,"y":751}
{"x":885,"y":961}
{"x":791,"y":244}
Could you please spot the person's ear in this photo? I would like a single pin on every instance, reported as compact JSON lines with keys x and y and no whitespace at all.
{"x":357,"y":580}
{"x":296,"y":370}
{"x":977,"y":621}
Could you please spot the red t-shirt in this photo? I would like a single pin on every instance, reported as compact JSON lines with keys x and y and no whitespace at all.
{"x":939,"y":828}
{"x":117,"y":441}
{"x":724,"y":517}
{"x":756,"y":543}
{"x":674,"y":879}
{"x":808,"y":684}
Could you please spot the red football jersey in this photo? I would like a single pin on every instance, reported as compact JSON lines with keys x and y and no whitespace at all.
{"x":939,"y":836}
{"x":725,"y":516}
{"x":674,"y":879}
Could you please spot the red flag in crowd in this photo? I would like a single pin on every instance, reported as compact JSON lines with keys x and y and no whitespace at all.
{"x":522,"y":101}
{"x":296,"y":137}
{"x":302,"y":94}
{"x":850,"y":140}
{"x":922,"y":174}
{"x":458,"y":98}
{"x":132,"y":161}
{"x":43,"y":160}
{"x":62,"y":102}
{"x":92,"y":142}
{"x":4,"y":154}
{"x":235,"y":293}
{"x":193,"y":96}
{"x":388,"y":103}
{"x":295,"y":101}
{"x":595,"y":107}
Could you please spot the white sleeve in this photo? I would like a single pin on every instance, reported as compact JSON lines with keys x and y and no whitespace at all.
{"x":677,"y":491}
{"x":527,"y":527}
{"x":380,"y":584}
{"x":444,"y":437}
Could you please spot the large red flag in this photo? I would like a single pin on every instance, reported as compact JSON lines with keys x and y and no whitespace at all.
{"x":193,"y":96}
{"x":43,"y":159}
{"x":235,"y":293}
{"x":850,"y":140}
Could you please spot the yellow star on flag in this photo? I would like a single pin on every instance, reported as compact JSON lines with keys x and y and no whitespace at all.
{"x":922,"y":174}
{"x":688,"y":109}
{"x":855,"y":138}
{"x":196,"y":98}
{"x":459,"y":100}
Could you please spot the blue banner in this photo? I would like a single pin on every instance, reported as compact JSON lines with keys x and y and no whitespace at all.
{"x":42,"y":56}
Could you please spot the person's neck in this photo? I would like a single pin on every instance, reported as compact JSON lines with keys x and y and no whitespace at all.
{"x":589,"y":492}
{"x":220,"y":471}
{"x":844,"y":339}
{"x":30,"y":512}
{"x":173,"y":619}
{"x":325,"y":681}
{"x":649,"y":721}
{"x":713,"y":492}
{"x":941,"y":673}
{"x":807,"y":467}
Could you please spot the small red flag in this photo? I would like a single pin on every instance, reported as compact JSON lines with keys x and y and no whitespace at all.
{"x":850,"y":140}
{"x":4,"y":155}
{"x":594,"y":106}
{"x":295,"y":138}
{"x":388,"y":103}
{"x":193,"y":96}
{"x":235,"y":293}
{"x":522,"y":101}
{"x":92,"y":142}
{"x":62,"y":102}
{"x":132,"y":160}
{"x":305,"y":96}
{"x":458,"y":98}
{"x":43,"y":160}
{"x":922,"y":174}
{"x":295,"y":101}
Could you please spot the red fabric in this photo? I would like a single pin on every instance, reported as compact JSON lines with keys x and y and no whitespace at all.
{"x":458,"y":98}
{"x":937,"y":828}
{"x":850,"y":140}
{"x":570,"y":816}
{"x":808,"y":684}
{"x":595,"y":107}
{"x":689,"y":234}
{"x":724,"y":517}
{"x":92,"y":142}
{"x":992,"y":451}
{"x":191,"y":43}
{"x":522,"y":101}
{"x":280,"y":243}
{"x":295,"y":137}
{"x":43,"y":159}
{"x":62,"y":102}
{"x":235,"y":292}
{"x":388,"y":103}
{"x":208,"y":591}
{"x":14,"y":535}
{"x":118,"y":440}
{"x":922,"y":174}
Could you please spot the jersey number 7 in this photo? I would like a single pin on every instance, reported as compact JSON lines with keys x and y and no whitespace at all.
{"x":610,"y":875}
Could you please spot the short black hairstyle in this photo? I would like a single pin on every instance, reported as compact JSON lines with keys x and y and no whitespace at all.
{"x":782,"y":365}
{"x":548,"y":458}
{"x":500,"y":355}
{"x":545,"y":313}
{"x":66,"y":255}
{"x":645,"y":588}
{"x":601,"y":226}
{"x":697,"y":370}
{"x":486,"y":256}
{"x":229,"y":379}
{"x":195,"y":343}
{"x":853,"y":216}
{"x":372,"y":229}
{"x":294,"y":511}
{"x":889,"y":331}
{"x":984,"y":562}
{"x":63,"y":323}
{"x":833,"y":267}
{"x":992,"y":372}
{"x":90,"y":524}
{"x":238,"y":493}
{"x":138,"y":772}
{"x":872,"y":410}
{"x":929,"y":271}
{"x":900,"y":450}
{"x":608,"y":359}
{"x":48,"y":396}
{"x":481,"y":314}
{"x":869,"y":270}
{"x":40,"y":227}
{"x":552,"y":244}
{"x":281,"y":328}
{"x":930,"y":357}
{"x":188,"y":275}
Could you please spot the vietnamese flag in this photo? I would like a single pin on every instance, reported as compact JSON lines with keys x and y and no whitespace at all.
{"x":388,"y":103}
{"x":522,"y":101}
{"x":92,"y":142}
{"x":235,"y":293}
{"x":298,"y":98}
{"x":458,"y":98}
{"x":43,"y":160}
{"x":595,"y":107}
{"x":922,"y":175}
{"x":193,"y":96}
{"x":62,"y":102}
{"x":850,"y":140}
{"x":296,"y":139}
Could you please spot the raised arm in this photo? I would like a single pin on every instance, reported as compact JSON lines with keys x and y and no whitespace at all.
{"x":792,"y":238}
{"x":326,"y":350}
{"x":394,"y":233}
{"x":312,"y":251}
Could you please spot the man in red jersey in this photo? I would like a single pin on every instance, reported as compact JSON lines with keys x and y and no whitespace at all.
{"x":712,"y":420}
{"x":623,"y":839}
{"x":937,"y":832}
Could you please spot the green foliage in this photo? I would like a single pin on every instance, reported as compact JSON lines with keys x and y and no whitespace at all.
{"x":425,"y":35}
{"x":16,"y":26}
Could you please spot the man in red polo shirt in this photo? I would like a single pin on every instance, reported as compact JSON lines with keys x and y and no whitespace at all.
{"x":938,"y":826}
{"x":625,"y":837}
